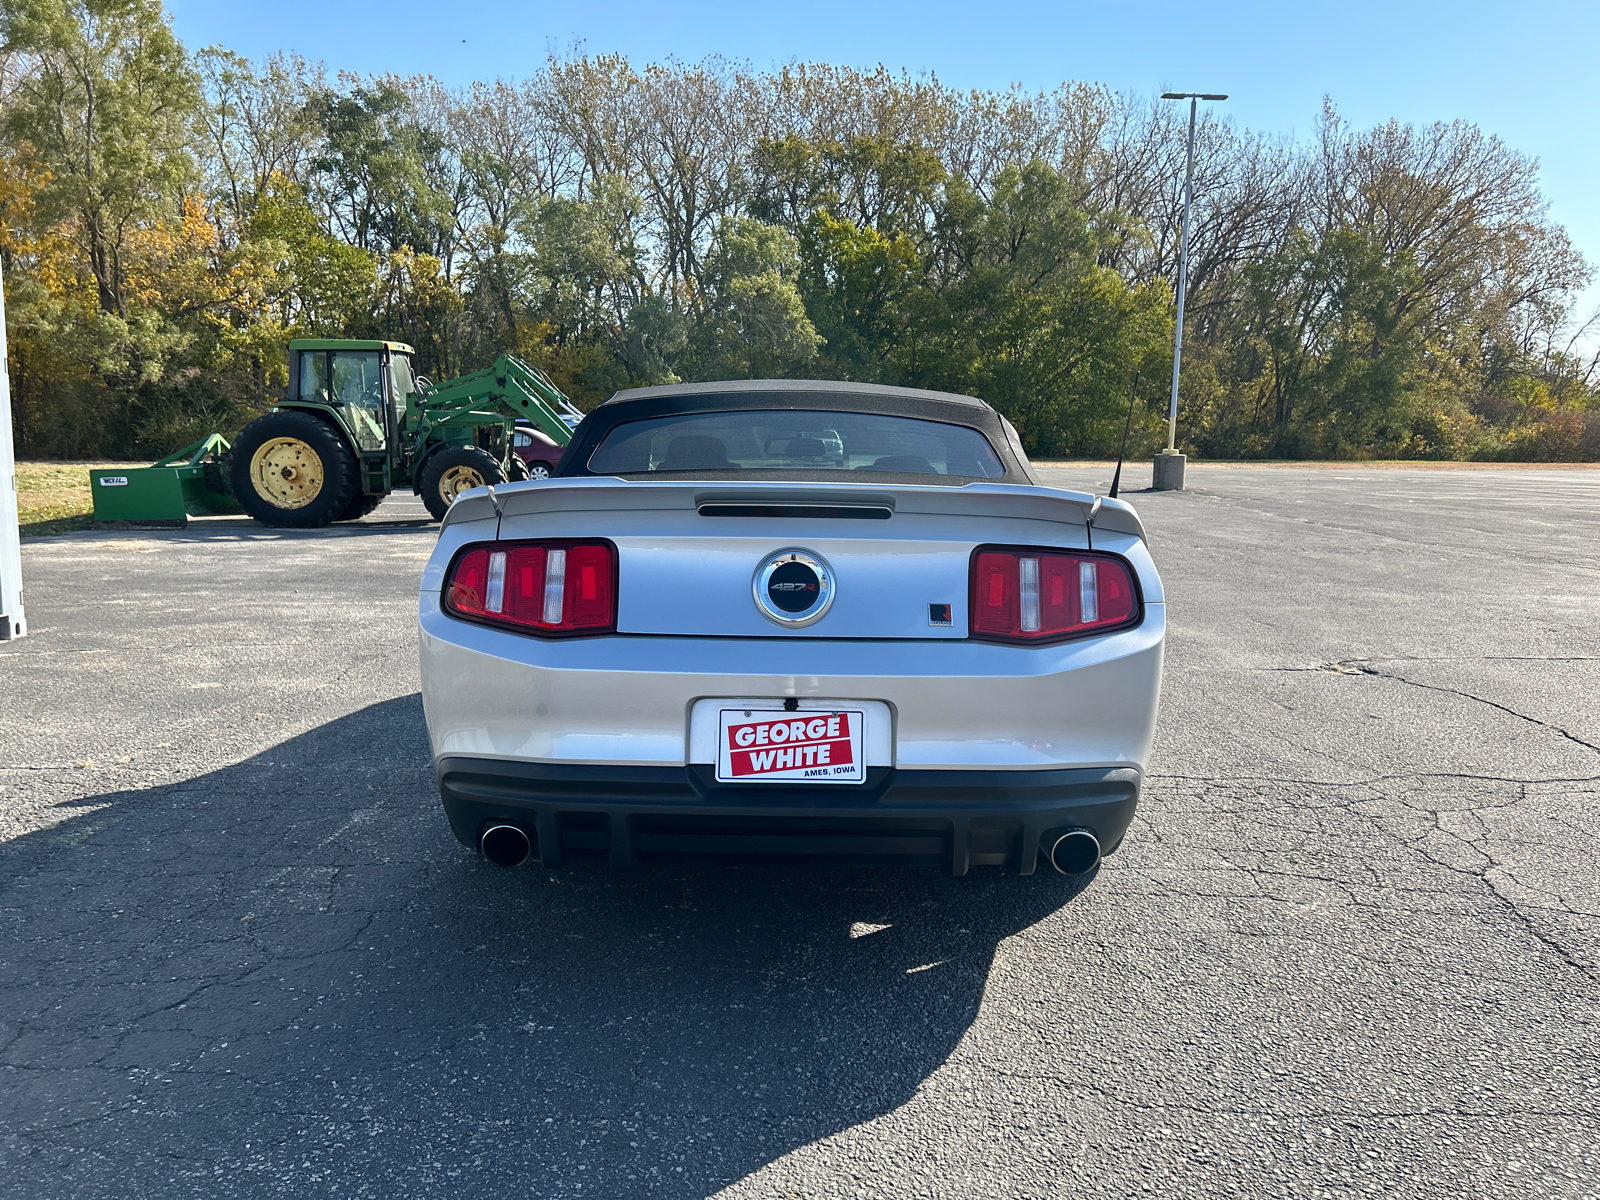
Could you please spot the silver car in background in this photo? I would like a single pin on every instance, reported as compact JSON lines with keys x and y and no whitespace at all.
{"x":791,"y":618}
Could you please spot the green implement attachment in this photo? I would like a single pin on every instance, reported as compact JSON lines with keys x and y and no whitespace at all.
{"x":187,"y":483}
{"x":510,"y":385}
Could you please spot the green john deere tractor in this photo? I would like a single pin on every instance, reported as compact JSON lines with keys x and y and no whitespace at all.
{"x":356,"y":423}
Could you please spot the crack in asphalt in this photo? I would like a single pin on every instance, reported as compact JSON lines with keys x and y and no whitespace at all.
{"x":1361,"y":666}
{"x":1428,"y":658}
{"x":1483,"y":875}
{"x":1488,"y":658}
{"x":1555,"y":946}
{"x":1360,"y":806}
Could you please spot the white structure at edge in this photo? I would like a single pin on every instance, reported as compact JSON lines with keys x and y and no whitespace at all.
{"x":13,"y":624}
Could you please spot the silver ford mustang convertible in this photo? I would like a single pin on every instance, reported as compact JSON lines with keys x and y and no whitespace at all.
{"x":789,"y":618}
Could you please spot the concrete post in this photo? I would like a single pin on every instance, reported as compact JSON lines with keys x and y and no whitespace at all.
{"x":13,"y":624}
{"x":1168,"y":476}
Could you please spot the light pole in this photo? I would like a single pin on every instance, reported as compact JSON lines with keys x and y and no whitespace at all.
{"x":1168,"y":475}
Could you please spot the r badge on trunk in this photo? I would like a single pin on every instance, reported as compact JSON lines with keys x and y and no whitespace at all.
{"x":793,"y":587}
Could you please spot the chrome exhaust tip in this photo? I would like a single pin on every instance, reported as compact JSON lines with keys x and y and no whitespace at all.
{"x":505,"y":845}
{"x":1074,"y":852}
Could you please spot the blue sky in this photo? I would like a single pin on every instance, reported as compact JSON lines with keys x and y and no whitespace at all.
{"x":1522,"y":71}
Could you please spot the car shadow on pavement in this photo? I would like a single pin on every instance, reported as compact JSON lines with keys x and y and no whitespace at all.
{"x":286,"y":976}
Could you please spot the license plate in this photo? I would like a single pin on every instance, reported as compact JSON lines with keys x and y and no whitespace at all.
{"x":775,"y":746}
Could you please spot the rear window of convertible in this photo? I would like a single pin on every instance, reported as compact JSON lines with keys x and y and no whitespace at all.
{"x":810,"y":441}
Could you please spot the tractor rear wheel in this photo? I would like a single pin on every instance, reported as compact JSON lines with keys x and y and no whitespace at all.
{"x":452,"y":471}
{"x":291,"y":470}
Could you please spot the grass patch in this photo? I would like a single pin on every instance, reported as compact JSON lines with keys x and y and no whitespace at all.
{"x":54,"y":497}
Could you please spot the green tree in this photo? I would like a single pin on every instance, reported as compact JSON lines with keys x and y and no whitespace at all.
{"x":860,"y":287}
{"x":863,"y":214}
{"x":325,"y":287}
{"x":106,"y":111}
{"x":376,"y":171}
{"x":1033,"y":323}
{"x":588,"y":272}
{"x":753,"y":323}
{"x":416,"y":303}
{"x":255,"y":125}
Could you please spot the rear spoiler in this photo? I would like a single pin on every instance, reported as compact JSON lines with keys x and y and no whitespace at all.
{"x":590,"y":493}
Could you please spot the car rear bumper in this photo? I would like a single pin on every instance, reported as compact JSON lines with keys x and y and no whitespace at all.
{"x":628,"y":699}
{"x":956,"y":818}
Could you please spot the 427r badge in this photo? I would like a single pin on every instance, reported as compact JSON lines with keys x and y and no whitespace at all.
{"x":775,"y":746}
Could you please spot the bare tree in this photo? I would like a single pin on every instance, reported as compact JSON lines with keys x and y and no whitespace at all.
{"x":255,"y":124}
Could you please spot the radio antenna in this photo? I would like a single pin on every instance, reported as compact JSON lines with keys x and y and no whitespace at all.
{"x":1133,"y":395}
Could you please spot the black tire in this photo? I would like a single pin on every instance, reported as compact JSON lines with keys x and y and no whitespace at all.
{"x":452,"y":471}
{"x":540,"y":470}
{"x":516,"y":470}
{"x":360,"y":505}
{"x":315,"y":467}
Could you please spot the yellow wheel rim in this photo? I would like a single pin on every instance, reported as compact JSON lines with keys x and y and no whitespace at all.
{"x":286,"y":473}
{"x":456,"y":480}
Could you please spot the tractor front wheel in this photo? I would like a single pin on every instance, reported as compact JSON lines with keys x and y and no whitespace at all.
{"x":452,"y":471}
{"x":291,"y":470}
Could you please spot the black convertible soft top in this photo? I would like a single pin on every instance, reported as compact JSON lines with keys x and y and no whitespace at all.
{"x":639,"y":404}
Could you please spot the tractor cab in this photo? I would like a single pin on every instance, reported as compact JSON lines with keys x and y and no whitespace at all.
{"x":368,"y":383}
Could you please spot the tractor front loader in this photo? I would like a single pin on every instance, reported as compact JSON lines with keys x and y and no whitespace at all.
{"x":356,"y":423}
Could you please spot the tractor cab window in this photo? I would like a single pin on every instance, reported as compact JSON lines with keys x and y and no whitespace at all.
{"x":358,"y":386}
{"x":405,"y":384}
{"x":312,"y":386}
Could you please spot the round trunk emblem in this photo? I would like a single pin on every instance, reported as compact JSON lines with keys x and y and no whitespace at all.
{"x":793,"y":587}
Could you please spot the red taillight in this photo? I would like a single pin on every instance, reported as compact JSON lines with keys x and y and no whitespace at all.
{"x":1021,"y":594}
{"x":539,"y":587}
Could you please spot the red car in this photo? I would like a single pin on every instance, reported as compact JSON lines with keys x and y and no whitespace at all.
{"x":538,"y":451}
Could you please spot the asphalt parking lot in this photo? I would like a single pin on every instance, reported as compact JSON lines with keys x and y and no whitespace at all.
{"x":1349,"y":948}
